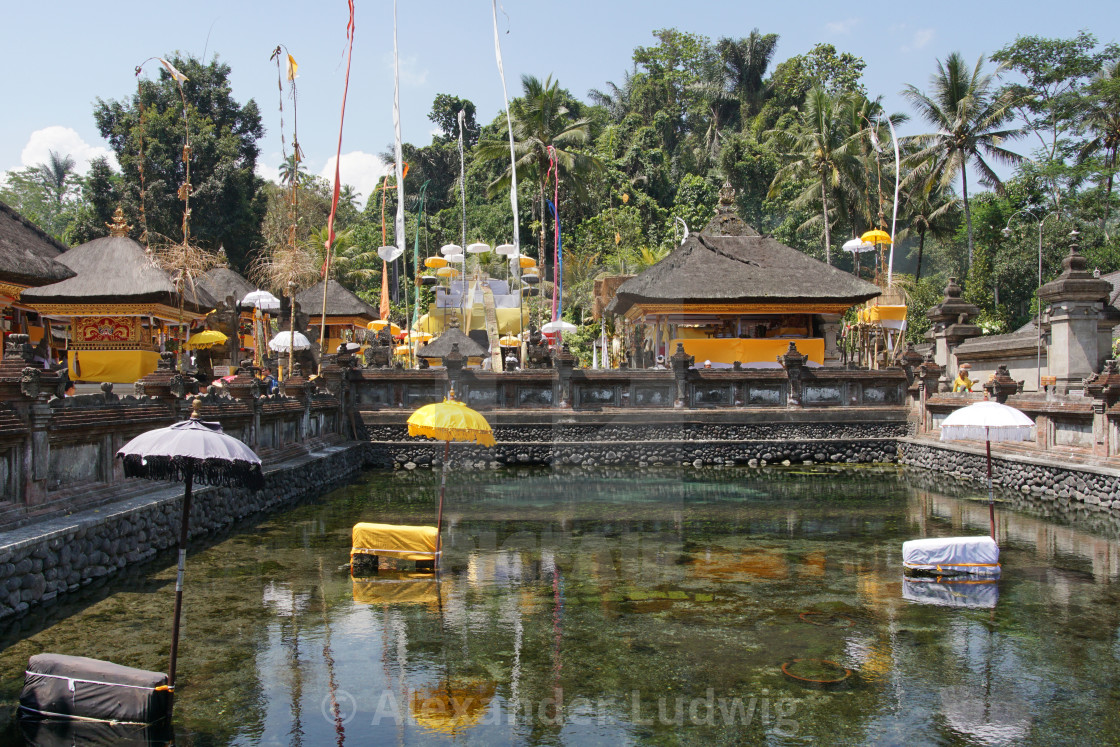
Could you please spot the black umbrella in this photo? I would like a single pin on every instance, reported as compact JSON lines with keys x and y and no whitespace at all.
{"x":191,"y":451}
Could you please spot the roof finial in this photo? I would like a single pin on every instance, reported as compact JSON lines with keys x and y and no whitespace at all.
{"x":118,"y":227}
{"x":196,"y":404}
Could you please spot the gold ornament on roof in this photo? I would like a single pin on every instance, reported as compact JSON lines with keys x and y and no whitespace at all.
{"x":727,"y":194}
{"x":118,"y":227}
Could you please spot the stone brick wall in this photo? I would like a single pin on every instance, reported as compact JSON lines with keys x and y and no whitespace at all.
{"x":1089,"y":487}
{"x":42,"y":561}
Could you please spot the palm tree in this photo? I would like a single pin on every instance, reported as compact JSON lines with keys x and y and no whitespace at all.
{"x":292,"y":168}
{"x":616,"y":99}
{"x":55,"y":175}
{"x":1103,"y":123}
{"x":351,"y":265}
{"x":543,"y":128}
{"x":745,"y":62}
{"x":823,"y":150}
{"x":930,"y":208}
{"x":968,"y":113}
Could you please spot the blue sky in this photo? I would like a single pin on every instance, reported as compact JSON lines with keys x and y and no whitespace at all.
{"x":62,"y":56}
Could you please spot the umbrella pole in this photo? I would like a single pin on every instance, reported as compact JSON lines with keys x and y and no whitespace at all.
{"x":991,"y":499}
{"x":442,"y":488}
{"x":179,"y":580}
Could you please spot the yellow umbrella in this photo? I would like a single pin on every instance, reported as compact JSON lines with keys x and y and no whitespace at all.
{"x":447,"y":272}
{"x":526,"y":261}
{"x":379,"y":324}
{"x":205,"y":339}
{"x":876,"y":237}
{"x":420,"y":337}
{"x":402,"y":350}
{"x":435,"y":262}
{"x":449,"y":421}
{"x":509,"y":341}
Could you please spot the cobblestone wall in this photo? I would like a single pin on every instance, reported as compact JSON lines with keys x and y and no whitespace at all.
{"x":1092,"y":488}
{"x":41,"y":561}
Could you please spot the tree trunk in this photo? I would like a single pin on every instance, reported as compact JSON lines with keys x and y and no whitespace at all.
{"x":967,"y":212}
{"x":1108,"y":189}
{"x":827,"y":237}
{"x":921,"y":248}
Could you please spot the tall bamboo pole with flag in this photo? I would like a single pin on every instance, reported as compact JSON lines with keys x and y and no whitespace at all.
{"x":326,"y":271}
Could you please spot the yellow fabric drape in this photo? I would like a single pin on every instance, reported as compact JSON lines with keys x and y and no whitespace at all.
{"x":395,"y":541}
{"x":114,"y":366}
{"x":880,"y":313}
{"x":729,"y":350}
{"x":436,"y":320}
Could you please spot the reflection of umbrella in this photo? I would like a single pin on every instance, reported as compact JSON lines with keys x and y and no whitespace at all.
{"x":559,"y":326}
{"x":205,"y":339}
{"x":379,"y":324}
{"x":990,"y":421}
{"x":191,"y":451}
{"x":449,"y":421}
{"x":262,"y":300}
{"x":876,"y":237}
{"x":451,"y":707}
{"x":982,"y":593}
{"x":285,"y":342}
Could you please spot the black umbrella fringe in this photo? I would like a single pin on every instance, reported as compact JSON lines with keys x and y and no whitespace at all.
{"x":220,"y":472}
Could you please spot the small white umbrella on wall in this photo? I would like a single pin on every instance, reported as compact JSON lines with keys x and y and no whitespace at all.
{"x":987,"y":421}
{"x":284,"y":342}
{"x":262,"y":300}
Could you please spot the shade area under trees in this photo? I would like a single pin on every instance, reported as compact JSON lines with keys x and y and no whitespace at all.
{"x":806,"y":146}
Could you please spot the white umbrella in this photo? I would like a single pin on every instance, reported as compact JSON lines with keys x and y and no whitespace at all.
{"x":989,"y":421}
{"x":447,"y":249}
{"x":559,"y":326}
{"x":457,"y":258}
{"x":285,"y":342}
{"x":506,"y":250}
{"x":478,"y":248}
{"x":262,"y":300}
{"x":856,"y":246}
{"x":191,"y":451}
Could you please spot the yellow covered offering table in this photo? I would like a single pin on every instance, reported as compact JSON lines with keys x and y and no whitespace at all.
{"x":746,"y":351}
{"x":394,"y":541}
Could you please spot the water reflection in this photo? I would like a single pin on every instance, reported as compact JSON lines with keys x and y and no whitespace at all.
{"x":622,"y":606}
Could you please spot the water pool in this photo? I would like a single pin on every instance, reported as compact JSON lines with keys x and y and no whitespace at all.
{"x":653,"y":606}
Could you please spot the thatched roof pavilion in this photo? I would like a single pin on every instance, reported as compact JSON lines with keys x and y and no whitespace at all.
{"x":222,"y":283}
{"x":730,"y":283}
{"x":345,"y":311}
{"x":28,"y":255}
{"x":452,"y":336}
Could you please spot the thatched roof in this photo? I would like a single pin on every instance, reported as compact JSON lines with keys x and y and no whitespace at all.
{"x":340,"y":302}
{"x":740,"y":269}
{"x":115,"y":270}
{"x":222,"y":282}
{"x":27,"y":253}
{"x":441,"y":346}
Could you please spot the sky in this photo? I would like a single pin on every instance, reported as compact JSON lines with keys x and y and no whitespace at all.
{"x":64,"y":56}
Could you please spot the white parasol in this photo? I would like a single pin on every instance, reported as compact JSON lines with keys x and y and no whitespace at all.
{"x":285,"y":342}
{"x":262,"y":300}
{"x":857,"y":246}
{"x":987,"y":421}
{"x":561,"y":326}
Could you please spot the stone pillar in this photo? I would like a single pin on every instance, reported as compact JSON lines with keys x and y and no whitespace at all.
{"x":1104,"y":388}
{"x":794,"y":364}
{"x":929,"y":375}
{"x":453,"y":363}
{"x":680,"y":362}
{"x":830,"y":328}
{"x":952,"y":325}
{"x":563,"y":361}
{"x":1001,"y":386}
{"x":1075,"y":312}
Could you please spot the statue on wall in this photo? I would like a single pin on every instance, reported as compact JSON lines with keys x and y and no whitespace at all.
{"x":537,"y":353}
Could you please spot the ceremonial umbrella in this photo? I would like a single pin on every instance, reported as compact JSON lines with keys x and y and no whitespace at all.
{"x":205,"y":339}
{"x":284,"y":342}
{"x":262,"y":300}
{"x":559,"y":326}
{"x":191,"y":451}
{"x":379,"y":324}
{"x":989,"y":421}
{"x":876,"y":236}
{"x":856,"y":246}
{"x":449,"y":421}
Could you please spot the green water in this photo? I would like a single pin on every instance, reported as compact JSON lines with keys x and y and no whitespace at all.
{"x":622,"y":607}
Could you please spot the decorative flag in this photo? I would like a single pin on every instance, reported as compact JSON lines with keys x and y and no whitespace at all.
{"x":401,"y":169}
{"x":174,"y":72}
{"x":509,"y":126}
{"x":384,"y":308}
{"x":293,"y":68}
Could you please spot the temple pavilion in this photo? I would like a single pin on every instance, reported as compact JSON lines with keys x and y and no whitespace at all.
{"x":729,"y":294}
{"x":28,"y":259}
{"x":345,"y":312}
{"x":122,"y":309}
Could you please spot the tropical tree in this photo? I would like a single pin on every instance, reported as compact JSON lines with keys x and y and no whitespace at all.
{"x":544,"y":129}
{"x":351,"y":264}
{"x":57,"y":175}
{"x":821,"y":152}
{"x":1102,"y":123}
{"x":930,"y":208}
{"x":745,"y":62}
{"x":969,"y":116}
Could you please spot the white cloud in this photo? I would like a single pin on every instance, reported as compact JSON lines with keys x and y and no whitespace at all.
{"x":64,"y":141}
{"x":410,"y":72}
{"x":841,"y":27}
{"x":359,"y":169}
{"x":922,"y":38}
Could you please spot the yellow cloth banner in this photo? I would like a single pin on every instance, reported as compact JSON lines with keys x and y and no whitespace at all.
{"x":729,"y":350}
{"x":394,"y":540}
{"x":114,"y":366}
{"x":882,"y":313}
{"x":436,"y":320}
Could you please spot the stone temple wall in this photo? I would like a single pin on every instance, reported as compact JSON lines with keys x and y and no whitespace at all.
{"x":42,"y":561}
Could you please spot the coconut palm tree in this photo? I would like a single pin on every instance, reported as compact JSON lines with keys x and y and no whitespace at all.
{"x":55,"y":175}
{"x":543,"y":126}
{"x":1102,"y":121}
{"x":823,"y":150}
{"x":745,"y":62}
{"x":351,"y":264}
{"x":968,"y":114}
